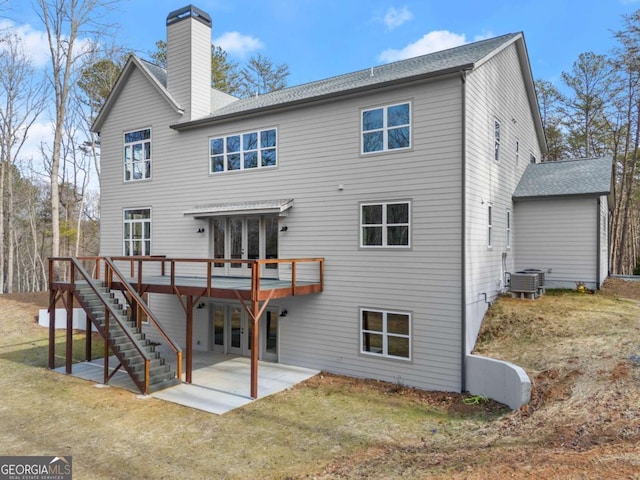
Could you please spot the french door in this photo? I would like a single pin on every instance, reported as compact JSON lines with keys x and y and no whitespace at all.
{"x":244,"y":238}
{"x":232,"y":328}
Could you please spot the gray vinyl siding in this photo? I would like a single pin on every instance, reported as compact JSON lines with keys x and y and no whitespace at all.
{"x":495,"y":90}
{"x":318,"y":149}
{"x":559,"y":236}
{"x":604,"y":239}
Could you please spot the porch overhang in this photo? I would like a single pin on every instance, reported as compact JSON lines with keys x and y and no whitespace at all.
{"x":260,"y":207}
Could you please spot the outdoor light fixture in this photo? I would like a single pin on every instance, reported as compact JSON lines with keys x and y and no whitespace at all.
{"x":200,"y":230}
{"x":283,"y":313}
{"x":284,"y":228}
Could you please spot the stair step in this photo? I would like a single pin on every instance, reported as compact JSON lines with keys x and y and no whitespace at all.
{"x":162,"y":385}
{"x":139,"y":366}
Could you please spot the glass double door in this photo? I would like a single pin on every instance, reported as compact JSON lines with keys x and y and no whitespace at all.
{"x":244,"y":238}
{"x":232,"y":331}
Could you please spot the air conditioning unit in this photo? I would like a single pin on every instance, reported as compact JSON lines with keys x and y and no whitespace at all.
{"x":524,"y":282}
{"x":537,"y":271}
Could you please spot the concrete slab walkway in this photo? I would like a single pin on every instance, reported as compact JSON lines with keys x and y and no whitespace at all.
{"x":220,"y":382}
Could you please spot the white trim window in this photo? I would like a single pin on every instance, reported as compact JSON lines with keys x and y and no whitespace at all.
{"x":243,"y":151}
{"x":137,"y":155}
{"x":386,"y":128}
{"x":385,"y":224}
{"x":385,"y":333}
{"x":508,"y":228}
{"x":490,"y":225}
{"x":136,"y":231}
{"x":496,"y":140}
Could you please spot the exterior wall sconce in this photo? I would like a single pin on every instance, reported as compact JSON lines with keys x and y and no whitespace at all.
{"x":284,"y":228}
{"x":200,"y":230}
{"x":200,"y":305}
{"x":283,"y":313}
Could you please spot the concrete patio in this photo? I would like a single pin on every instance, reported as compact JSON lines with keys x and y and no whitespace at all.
{"x":220,"y":382}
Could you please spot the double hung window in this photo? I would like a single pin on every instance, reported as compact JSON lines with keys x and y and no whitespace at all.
{"x":137,"y":155}
{"x":386,"y":128}
{"x":385,"y":224}
{"x":385,"y":333}
{"x":243,"y":151}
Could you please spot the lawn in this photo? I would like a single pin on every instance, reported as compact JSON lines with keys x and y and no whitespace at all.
{"x":584,"y":418}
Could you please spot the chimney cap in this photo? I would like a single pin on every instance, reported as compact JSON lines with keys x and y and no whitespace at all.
{"x":187,"y":12}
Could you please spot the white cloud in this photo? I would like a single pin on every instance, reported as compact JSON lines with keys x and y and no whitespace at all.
{"x":430,"y":42}
{"x":34,"y":42}
{"x":237,"y":44}
{"x":39,"y":133}
{"x":394,"y":18}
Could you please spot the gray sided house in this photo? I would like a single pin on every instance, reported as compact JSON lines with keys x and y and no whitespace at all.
{"x":400,"y":176}
{"x":561,"y":221}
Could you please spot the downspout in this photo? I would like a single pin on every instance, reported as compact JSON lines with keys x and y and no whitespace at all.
{"x":598,"y":232}
{"x":463,"y":246}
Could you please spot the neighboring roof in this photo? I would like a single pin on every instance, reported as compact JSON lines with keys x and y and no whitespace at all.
{"x":240,"y":208}
{"x":565,"y":178}
{"x":453,"y":60}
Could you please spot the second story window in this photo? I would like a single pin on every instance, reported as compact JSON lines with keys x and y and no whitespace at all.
{"x":386,"y":128}
{"x":243,"y":151}
{"x":137,"y":155}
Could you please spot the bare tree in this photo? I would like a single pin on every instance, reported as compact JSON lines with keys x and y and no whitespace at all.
{"x":21,"y":102}
{"x":73,"y":31}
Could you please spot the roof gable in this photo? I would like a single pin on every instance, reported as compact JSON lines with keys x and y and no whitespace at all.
{"x":590,"y":177}
{"x":156,"y":76}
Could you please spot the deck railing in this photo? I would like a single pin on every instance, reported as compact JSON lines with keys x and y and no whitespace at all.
{"x":141,"y":305}
{"x":208,"y":268}
{"x":104,"y":269}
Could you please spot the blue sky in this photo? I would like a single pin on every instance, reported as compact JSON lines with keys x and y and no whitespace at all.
{"x":322,"y":38}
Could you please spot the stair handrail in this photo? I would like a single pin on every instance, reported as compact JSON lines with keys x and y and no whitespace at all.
{"x":91,"y":282}
{"x":143,"y":305}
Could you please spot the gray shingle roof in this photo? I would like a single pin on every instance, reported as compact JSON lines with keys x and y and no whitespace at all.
{"x":570,"y":177}
{"x":157,"y":71}
{"x":450,"y":59}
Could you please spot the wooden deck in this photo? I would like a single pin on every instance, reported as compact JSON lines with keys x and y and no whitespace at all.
{"x":196,"y":277}
{"x":251,"y":282}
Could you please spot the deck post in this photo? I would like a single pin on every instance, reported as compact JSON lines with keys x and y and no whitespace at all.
{"x":69,"y":348}
{"x":87,"y":347}
{"x":255,"y":332}
{"x":255,"y":346}
{"x":189,"y":337}
{"x":52,"y":325}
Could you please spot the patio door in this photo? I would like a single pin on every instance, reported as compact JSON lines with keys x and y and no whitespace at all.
{"x":244,"y":238}
{"x":240,"y":329}
{"x":231,"y":329}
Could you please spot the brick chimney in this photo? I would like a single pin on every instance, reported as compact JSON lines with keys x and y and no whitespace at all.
{"x":189,"y":60}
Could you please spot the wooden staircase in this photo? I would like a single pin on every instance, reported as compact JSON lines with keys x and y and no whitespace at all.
{"x":125,"y":340}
